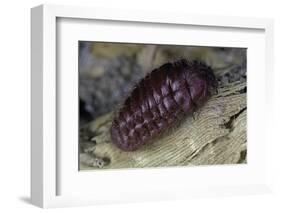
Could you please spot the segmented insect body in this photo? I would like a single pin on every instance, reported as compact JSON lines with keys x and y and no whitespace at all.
{"x":164,"y":96}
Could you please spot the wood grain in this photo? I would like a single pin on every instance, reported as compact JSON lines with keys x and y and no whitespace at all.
{"x":216,"y":134}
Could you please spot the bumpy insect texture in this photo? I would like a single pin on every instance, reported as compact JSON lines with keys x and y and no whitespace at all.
{"x":164,"y":96}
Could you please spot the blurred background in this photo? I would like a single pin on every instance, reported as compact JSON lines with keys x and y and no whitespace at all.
{"x":108,"y":71}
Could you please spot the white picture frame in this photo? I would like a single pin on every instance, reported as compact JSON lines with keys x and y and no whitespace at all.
{"x":50,"y":188}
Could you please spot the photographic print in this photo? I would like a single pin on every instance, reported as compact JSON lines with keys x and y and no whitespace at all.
{"x":150,"y":105}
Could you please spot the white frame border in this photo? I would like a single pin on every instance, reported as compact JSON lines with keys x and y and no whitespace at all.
{"x":43,"y":91}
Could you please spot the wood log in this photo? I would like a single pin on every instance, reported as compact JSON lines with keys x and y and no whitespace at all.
{"x":215,"y":135}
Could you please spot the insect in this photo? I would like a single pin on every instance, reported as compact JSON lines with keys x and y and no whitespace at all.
{"x":164,"y":96}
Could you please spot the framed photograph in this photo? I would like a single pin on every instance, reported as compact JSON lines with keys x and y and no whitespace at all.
{"x":129,"y":106}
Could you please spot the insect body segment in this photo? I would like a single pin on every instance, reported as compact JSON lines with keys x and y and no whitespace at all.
{"x":164,"y":96}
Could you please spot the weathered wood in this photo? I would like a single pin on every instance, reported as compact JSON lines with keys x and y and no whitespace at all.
{"x":215,"y":135}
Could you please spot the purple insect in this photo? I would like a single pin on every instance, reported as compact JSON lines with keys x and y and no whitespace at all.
{"x":165,"y":95}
